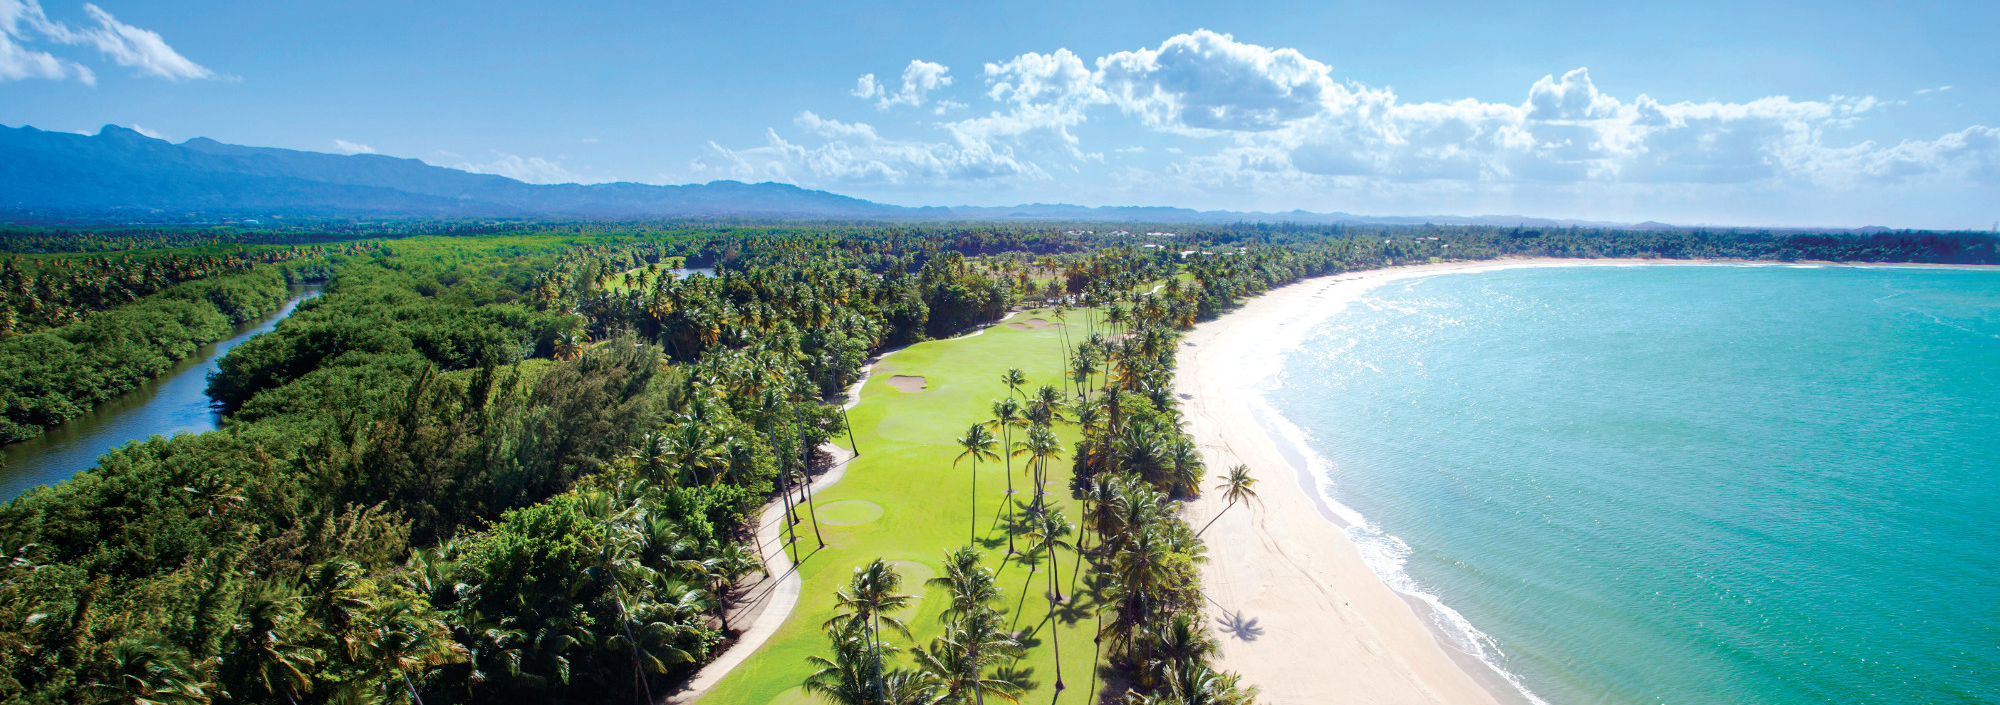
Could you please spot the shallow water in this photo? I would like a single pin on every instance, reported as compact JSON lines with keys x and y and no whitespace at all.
{"x":1679,"y":484}
{"x":174,"y":402}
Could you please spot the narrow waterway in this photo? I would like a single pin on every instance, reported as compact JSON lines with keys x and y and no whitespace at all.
{"x":174,"y":402}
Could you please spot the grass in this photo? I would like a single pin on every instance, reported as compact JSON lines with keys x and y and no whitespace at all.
{"x":905,"y":468}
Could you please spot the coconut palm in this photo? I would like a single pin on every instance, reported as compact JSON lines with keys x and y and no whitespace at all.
{"x":961,"y":656}
{"x":1050,"y":529}
{"x":700,"y":453}
{"x":971,"y":584}
{"x":1196,"y":683}
{"x":870,"y":594}
{"x":570,"y":345}
{"x":150,"y":674}
{"x":1041,"y":446}
{"x":409,"y":636}
{"x":978,"y":445}
{"x":1176,"y":643}
{"x":849,"y":677}
{"x":1007,"y":417}
{"x":1235,"y":488}
{"x":1014,"y":379}
{"x":269,"y":657}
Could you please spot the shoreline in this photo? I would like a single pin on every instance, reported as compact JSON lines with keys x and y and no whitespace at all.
{"x":1301,"y":612}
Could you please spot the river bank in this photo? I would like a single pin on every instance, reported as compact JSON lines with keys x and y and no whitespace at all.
{"x":174,"y":402}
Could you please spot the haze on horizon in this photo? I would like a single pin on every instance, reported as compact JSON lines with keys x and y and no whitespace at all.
{"x":1842,"y":114}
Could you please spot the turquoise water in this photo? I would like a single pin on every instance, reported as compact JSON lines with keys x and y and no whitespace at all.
{"x":1681,"y":484}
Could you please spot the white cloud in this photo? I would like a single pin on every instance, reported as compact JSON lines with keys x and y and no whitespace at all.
{"x":919,"y":79}
{"x":139,"y":48}
{"x":1252,"y":119}
{"x":534,"y":170}
{"x":346,"y":147}
{"x":855,"y":154}
{"x":1939,"y":89}
{"x":1205,"y":81}
{"x":24,"y":21}
{"x":149,"y":133}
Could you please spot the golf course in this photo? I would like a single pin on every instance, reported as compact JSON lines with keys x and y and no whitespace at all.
{"x":907,"y":498}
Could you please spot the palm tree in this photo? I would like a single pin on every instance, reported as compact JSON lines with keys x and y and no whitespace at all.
{"x":971,"y":584}
{"x":871,"y":593}
{"x":979,"y":445}
{"x":1007,"y":417}
{"x":570,"y":345}
{"x":1049,"y":531}
{"x":150,"y":674}
{"x":268,"y":656}
{"x":1014,"y":379}
{"x":338,"y":601}
{"x":410,"y":637}
{"x":1041,"y":447}
{"x":1178,"y":642}
{"x":1235,"y":488}
{"x":960,"y":658}
{"x":848,"y":678}
{"x":1081,"y":367}
{"x":698,"y":451}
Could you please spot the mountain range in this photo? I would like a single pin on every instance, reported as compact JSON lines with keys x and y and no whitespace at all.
{"x":121,"y":175}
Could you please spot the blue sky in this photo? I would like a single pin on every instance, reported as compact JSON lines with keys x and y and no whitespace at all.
{"x":1830,"y":113}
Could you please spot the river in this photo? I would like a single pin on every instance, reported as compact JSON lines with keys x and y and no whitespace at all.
{"x":174,"y":402}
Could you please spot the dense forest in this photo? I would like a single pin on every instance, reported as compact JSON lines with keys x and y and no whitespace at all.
{"x":516,"y":462}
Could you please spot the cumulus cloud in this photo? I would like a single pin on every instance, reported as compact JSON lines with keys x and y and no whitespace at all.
{"x":24,"y":22}
{"x":346,"y":147}
{"x":1253,"y":116}
{"x":534,"y":170}
{"x":919,"y":79}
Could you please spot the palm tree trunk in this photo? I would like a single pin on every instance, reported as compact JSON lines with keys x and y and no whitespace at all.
{"x":973,"y":529}
{"x":1055,"y":635}
{"x":790,"y":519}
{"x":1211,"y":520}
{"x":850,"y":425}
{"x":805,"y":477}
{"x":1010,"y":503}
{"x":875,"y":648}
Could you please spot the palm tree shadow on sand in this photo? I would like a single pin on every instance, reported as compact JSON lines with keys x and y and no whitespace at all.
{"x":1236,"y":625}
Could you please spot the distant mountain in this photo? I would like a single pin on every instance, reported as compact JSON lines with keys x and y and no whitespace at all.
{"x":119,"y":174}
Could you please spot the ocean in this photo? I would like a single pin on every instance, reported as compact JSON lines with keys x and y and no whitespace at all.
{"x":1677,"y":484}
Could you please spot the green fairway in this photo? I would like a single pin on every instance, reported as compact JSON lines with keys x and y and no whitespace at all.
{"x":902,"y":500}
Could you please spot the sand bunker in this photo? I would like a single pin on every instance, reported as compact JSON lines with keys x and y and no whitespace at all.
{"x":1033,"y":324}
{"x":908,"y":383}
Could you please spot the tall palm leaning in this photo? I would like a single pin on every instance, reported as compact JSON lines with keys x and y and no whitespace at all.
{"x":1235,"y":488}
{"x":1051,"y":530}
{"x":978,"y":445}
{"x":1007,"y":417}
